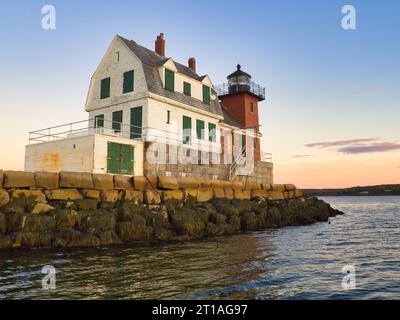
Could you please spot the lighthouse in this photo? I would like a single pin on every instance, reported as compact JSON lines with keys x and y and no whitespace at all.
{"x":241,"y":97}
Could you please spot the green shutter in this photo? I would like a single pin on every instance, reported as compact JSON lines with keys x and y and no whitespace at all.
{"x":169,"y":80}
{"x":136,"y":122}
{"x":187,"y":88}
{"x":187,"y":129}
{"x":212,"y":132}
{"x":128,"y":81}
{"x":206,"y":94}
{"x":200,"y":129}
{"x":105,"y":88}
{"x":117,"y":121}
{"x":99,"y":121}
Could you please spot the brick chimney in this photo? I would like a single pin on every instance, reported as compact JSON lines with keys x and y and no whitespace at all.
{"x":160,"y":45}
{"x":192,"y":64}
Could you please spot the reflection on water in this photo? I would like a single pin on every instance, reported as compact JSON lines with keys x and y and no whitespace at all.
{"x":289,"y":263}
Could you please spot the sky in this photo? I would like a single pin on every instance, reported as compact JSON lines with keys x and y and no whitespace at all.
{"x":331,"y":117}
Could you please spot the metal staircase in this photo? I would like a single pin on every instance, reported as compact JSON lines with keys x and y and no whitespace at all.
{"x":237,"y":162}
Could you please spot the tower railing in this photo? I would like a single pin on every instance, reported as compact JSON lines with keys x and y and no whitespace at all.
{"x":254,"y":88}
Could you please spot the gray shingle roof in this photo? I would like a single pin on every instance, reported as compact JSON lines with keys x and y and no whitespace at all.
{"x":151,"y":61}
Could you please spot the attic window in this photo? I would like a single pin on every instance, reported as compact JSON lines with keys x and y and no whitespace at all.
{"x":117,"y":57}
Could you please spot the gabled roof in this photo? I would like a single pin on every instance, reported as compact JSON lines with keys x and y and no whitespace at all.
{"x":152,"y":61}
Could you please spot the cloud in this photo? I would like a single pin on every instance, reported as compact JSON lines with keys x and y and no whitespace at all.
{"x":327,"y":144}
{"x":374,"y":147}
{"x":301,"y":155}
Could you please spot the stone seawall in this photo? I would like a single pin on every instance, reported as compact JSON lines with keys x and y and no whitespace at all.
{"x":70,"y":209}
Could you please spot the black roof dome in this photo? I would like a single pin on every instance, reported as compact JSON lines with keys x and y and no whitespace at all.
{"x":239,"y":72}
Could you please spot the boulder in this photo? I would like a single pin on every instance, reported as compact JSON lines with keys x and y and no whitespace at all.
{"x":249,"y":221}
{"x":40,"y":208}
{"x":190,"y":194}
{"x":218,"y":218}
{"x":206,"y":183}
{"x":219,"y":193}
{"x":86,"y":204}
{"x":131,"y":195}
{"x":97,"y":221}
{"x":79,"y":180}
{"x":205,"y":194}
{"x":255,"y":194}
{"x":186,"y":223}
{"x":168,"y":183}
{"x":91,"y":193}
{"x":290,"y":187}
{"x":276,"y":195}
{"x":298,"y":193}
{"x":85,"y":240}
{"x":225,"y":207}
{"x":39,"y":223}
{"x":240,"y":194}
{"x":67,"y":219}
{"x":221,"y":184}
{"x":109,"y":238}
{"x":5,"y":242}
{"x":15,"y":222}
{"x":128,"y":231}
{"x":13,"y":208}
{"x":278,"y":187}
{"x":4,"y":198}
{"x":188,"y":182}
{"x":163,"y":234}
{"x":103,"y":181}
{"x":2,"y":223}
{"x":213,"y":230}
{"x":151,"y":197}
{"x":63,"y":194}
{"x":1,"y":178}
{"x":122,"y":182}
{"x":109,"y":196}
{"x":237,"y":184}
{"x":32,"y":239}
{"x":18,"y":179}
{"x":128,"y":210}
{"x":266,"y":186}
{"x":47,"y":180}
{"x":36,"y":196}
{"x":144,"y":183}
{"x":168,"y":195}
{"x":229,"y":193}
{"x":252,"y":185}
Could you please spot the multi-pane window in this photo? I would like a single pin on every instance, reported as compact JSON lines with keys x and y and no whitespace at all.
{"x":169,"y":80}
{"x":117,"y":121}
{"x":99,"y":121}
{"x":187,"y":129}
{"x":200,"y":129}
{"x":212,"y":132}
{"x":206,"y":94}
{"x":187,"y":88}
{"x":128,"y":81}
{"x":105,"y":88}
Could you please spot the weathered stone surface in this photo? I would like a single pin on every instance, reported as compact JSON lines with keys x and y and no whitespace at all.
{"x":190,"y":194}
{"x":5,"y":242}
{"x":42,"y":208}
{"x":109,"y":237}
{"x":172,"y":195}
{"x":170,"y":183}
{"x":79,"y":180}
{"x":97,"y":221}
{"x":85,"y":240}
{"x":67,"y":219}
{"x":290,"y":187}
{"x":217,"y":218}
{"x":18,"y":179}
{"x":103,"y":181}
{"x":298,"y":193}
{"x":221,"y":184}
{"x":163,"y":234}
{"x":219,"y":193}
{"x":2,"y":223}
{"x":249,"y":221}
{"x":276,"y":195}
{"x":229,"y":193}
{"x":32,"y":239}
{"x":109,"y":196}
{"x":33,"y":195}
{"x":4,"y":198}
{"x":128,"y":231}
{"x":122,"y":182}
{"x":143,"y":183}
{"x":260,"y":194}
{"x":1,"y":178}
{"x":188,"y":223}
{"x":15,"y":222}
{"x":47,"y":180}
{"x":151,"y":197}
{"x":63,"y":194}
{"x":188,"y":182}
{"x":91,"y":193}
{"x":86,"y":204}
{"x":240,"y":194}
{"x":131,"y":195}
{"x":278,"y":187}
{"x":266,"y":186}
{"x":38,"y":223}
{"x":205,"y":194}
{"x":205,"y":183}
{"x":213,"y":230}
{"x":252,"y":185}
{"x":237,"y":184}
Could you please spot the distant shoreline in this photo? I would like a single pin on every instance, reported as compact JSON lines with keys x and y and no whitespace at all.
{"x":379,"y":190}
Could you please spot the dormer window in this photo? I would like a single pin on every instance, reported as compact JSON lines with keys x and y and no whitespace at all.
{"x":187,"y":88}
{"x":105,"y":88}
{"x":169,"y":80}
{"x":206,"y":95}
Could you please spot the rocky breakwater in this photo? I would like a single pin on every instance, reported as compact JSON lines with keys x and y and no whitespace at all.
{"x":81,"y":209}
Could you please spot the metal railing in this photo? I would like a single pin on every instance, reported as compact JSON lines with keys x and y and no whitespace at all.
{"x":254,"y":88}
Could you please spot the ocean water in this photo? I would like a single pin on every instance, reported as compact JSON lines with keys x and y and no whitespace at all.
{"x":289,"y":263}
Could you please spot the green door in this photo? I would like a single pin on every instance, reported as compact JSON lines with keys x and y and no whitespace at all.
{"x":119,"y":158}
